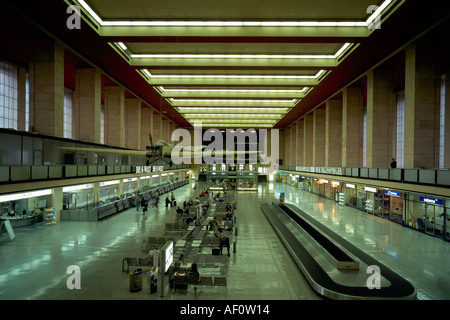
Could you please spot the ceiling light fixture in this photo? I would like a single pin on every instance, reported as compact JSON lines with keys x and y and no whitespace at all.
{"x":231,"y":76}
{"x":156,"y":23}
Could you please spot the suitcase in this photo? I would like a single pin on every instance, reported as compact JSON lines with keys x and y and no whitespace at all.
{"x":215,"y":252}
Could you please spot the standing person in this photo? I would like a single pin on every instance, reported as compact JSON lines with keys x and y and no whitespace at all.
{"x":144,"y":206}
{"x":172,"y":200}
{"x":138,"y":203}
{"x":167,"y":201}
{"x":224,"y":242}
{"x":393,"y":163}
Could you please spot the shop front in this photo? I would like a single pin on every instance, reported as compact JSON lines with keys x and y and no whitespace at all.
{"x":428,"y":214}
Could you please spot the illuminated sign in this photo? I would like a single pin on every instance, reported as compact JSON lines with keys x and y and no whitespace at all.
{"x":431,"y":200}
{"x":146,"y":169}
{"x":168,"y":254}
{"x":370,"y":189}
{"x":26,"y":195}
{"x":351,"y":186}
{"x":80,"y":187}
{"x":129,"y":179}
{"x":108,"y":183}
{"x":392,"y":193}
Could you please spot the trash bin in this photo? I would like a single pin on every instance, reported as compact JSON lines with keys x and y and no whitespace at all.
{"x":136,"y":280}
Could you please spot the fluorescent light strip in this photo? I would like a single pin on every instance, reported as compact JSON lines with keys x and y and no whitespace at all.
{"x":243,"y":121}
{"x":378,"y":12}
{"x":235,"y":23}
{"x":234,"y":100}
{"x":122,"y":45}
{"x":234,"y":125}
{"x":238,"y":56}
{"x":236,"y":108}
{"x":228,"y":76}
{"x":233,"y":90}
{"x":90,"y":11}
{"x":229,"y":56}
{"x":155,"y":23}
{"x":194,"y":115}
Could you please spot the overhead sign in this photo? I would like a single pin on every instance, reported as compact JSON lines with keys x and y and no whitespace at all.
{"x":392,"y":193}
{"x":431,"y":200}
{"x":146,"y":169}
{"x":370,"y":189}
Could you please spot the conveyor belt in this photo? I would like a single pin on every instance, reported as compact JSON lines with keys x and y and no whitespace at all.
{"x":335,"y":268}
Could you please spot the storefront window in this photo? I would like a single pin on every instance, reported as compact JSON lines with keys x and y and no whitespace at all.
{"x":427,"y":214}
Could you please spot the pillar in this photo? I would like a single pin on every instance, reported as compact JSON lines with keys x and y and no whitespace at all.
{"x":319,"y":137}
{"x":165,"y":129}
{"x":157,"y":123}
{"x":87,"y":105}
{"x":333,"y":133}
{"x":293,"y":144}
{"x":22,"y":97}
{"x":300,"y":138}
{"x":380,"y":106}
{"x":447,"y":120}
{"x":352,"y":127}
{"x":47,"y":88}
{"x":287,"y":152}
{"x":146,"y":126}
{"x":114,"y":116}
{"x":421,"y":105}
{"x":308,"y":132}
{"x":133,"y":123}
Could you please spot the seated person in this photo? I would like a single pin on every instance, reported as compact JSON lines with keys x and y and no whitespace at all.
{"x":224,"y":242}
{"x":228,"y":206}
{"x":229,"y":216}
{"x":220,"y":225}
{"x":212,"y":224}
{"x":179,"y":210}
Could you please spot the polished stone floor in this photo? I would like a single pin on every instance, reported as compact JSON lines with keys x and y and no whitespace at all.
{"x":34,"y":265}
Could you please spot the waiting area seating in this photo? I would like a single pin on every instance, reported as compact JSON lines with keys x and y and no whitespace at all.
{"x":197,"y":240}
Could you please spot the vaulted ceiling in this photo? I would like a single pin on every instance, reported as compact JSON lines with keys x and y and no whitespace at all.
{"x":235,"y":63}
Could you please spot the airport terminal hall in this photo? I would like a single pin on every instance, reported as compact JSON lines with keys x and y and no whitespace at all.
{"x":224,"y":157}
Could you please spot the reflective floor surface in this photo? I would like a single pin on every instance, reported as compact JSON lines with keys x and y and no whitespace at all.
{"x":34,"y":265}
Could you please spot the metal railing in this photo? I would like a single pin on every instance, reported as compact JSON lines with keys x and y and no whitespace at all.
{"x":433,"y":177}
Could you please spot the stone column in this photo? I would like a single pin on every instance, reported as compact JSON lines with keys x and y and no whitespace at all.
{"x":333,"y":133}
{"x":308,"y":133}
{"x":146,"y":126}
{"x":352,"y":127}
{"x":157,"y":124}
{"x":22,"y":97}
{"x":287,"y":146}
{"x":300,"y":139}
{"x":165,"y":129}
{"x":380,"y":106}
{"x":421,"y":105}
{"x":293,"y":143}
{"x":87,"y":104}
{"x":447,"y":121}
{"x":133,"y":123}
{"x":114,"y":115}
{"x":47,"y":88}
{"x":319,"y":137}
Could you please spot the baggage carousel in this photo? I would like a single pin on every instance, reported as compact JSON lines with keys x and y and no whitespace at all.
{"x":334,"y":267}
